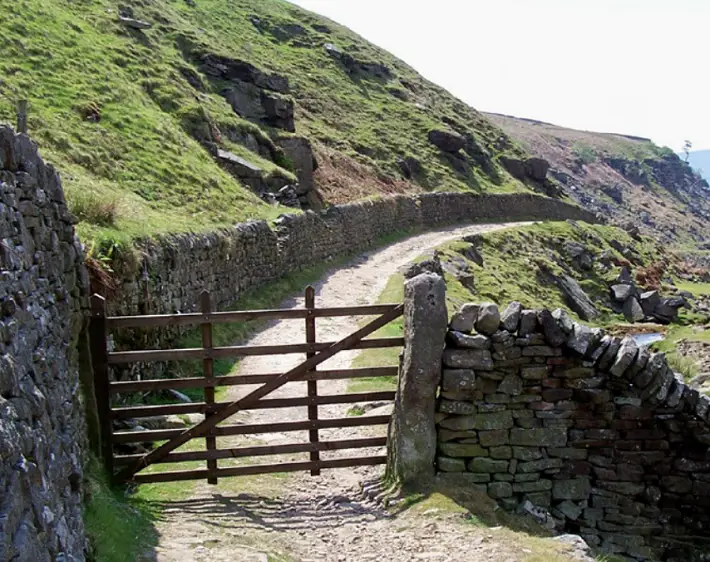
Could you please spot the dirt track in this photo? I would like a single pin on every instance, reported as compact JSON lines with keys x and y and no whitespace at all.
{"x":303,"y":518}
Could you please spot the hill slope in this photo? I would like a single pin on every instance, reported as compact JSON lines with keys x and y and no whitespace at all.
{"x":627,"y":179}
{"x":188,"y":114}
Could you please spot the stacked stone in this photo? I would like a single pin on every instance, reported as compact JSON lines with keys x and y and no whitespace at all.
{"x":538,"y":410}
{"x":43,"y":294}
{"x":166,"y":275}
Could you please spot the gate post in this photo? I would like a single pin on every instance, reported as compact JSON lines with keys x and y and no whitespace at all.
{"x":98,"y":334}
{"x":412,"y":432}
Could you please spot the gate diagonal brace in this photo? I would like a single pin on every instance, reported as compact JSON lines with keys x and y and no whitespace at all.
{"x":223,"y":413}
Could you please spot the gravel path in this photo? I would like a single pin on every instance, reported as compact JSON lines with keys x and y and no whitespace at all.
{"x":326,"y":518}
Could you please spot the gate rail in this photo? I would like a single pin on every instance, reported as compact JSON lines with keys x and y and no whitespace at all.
{"x":215,"y":412}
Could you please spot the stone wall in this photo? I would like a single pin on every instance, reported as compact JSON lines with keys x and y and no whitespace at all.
{"x":591,"y":434}
{"x":43,"y":288}
{"x":166,"y":274}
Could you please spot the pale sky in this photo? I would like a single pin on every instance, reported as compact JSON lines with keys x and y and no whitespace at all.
{"x":639,"y":67}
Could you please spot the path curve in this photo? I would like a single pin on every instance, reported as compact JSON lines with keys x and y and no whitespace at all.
{"x":317,"y":518}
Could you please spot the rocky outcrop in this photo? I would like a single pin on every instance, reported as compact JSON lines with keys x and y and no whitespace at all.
{"x":446,"y":141}
{"x":299,"y":152}
{"x":253,"y":94}
{"x":357,"y":67}
{"x":587,"y":432}
{"x":43,"y":294}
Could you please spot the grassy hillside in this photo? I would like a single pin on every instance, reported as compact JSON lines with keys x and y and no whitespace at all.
{"x":627,"y":179}
{"x":125,"y":113}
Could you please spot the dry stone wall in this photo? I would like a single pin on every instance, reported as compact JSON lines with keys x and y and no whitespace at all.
{"x":170,"y":272}
{"x":43,"y":291}
{"x":592,"y":434}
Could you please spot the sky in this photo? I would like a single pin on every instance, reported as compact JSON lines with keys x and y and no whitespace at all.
{"x":636,"y":67}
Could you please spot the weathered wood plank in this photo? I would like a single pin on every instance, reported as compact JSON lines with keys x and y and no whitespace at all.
{"x":200,"y":382}
{"x":310,"y":302}
{"x":257,"y":469}
{"x":265,"y":404}
{"x":99,"y":364}
{"x":152,"y":436}
{"x":208,"y":373}
{"x":192,"y":318}
{"x":242,"y":452}
{"x":149,"y":356}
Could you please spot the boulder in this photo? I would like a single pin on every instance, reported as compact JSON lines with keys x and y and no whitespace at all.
{"x":577,"y":298}
{"x":621,"y":292}
{"x":515,"y":167}
{"x":446,"y":140}
{"x":632,"y":310}
{"x":488,"y":320}
{"x":300,"y":152}
{"x":255,"y":104}
{"x":411,"y":167}
{"x":624,"y":276}
{"x":429,"y":265}
{"x":536,"y":169}
{"x":667,"y":309}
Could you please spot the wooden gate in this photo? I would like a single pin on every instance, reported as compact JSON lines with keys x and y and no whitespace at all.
{"x":127,"y":467}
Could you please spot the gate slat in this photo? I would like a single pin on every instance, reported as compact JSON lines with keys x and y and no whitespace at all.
{"x":192,"y":318}
{"x":151,"y":436}
{"x":252,"y":398}
{"x":147,"y":385}
{"x":208,"y":372}
{"x":202,"y":407}
{"x":310,"y":302}
{"x":231,"y":352}
{"x":257,"y":469}
{"x":241,"y":452}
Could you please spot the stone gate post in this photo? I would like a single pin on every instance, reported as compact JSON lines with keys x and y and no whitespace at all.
{"x":412,"y":431}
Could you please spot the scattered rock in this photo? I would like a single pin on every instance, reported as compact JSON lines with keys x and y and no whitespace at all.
{"x":446,"y":140}
{"x":621,"y":292}
{"x":134,"y":23}
{"x":632,"y":310}
{"x":300,"y":152}
{"x":356,"y":67}
{"x":577,"y":298}
{"x":536,"y":169}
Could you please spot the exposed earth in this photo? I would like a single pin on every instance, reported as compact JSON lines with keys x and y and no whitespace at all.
{"x":304,"y":518}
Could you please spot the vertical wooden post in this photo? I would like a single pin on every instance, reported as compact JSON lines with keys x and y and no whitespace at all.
{"x":22,"y":116}
{"x":98,"y":334}
{"x":208,"y":371}
{"x":312,"y":385}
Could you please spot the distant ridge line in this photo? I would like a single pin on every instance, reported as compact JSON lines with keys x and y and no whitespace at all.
{"x":537,"y":122}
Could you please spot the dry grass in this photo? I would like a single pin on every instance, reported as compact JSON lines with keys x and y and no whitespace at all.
{"x":94,"y":209}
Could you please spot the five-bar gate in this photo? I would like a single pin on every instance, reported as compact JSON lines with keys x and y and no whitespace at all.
{"x":128,"y":467}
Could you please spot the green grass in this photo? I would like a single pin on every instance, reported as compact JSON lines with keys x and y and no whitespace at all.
{"x":392,"y":293}
{"x":113,"y":110}
{"x":516,"y":262}
{"x":684,"y":365}
{"x":120,"y":527}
